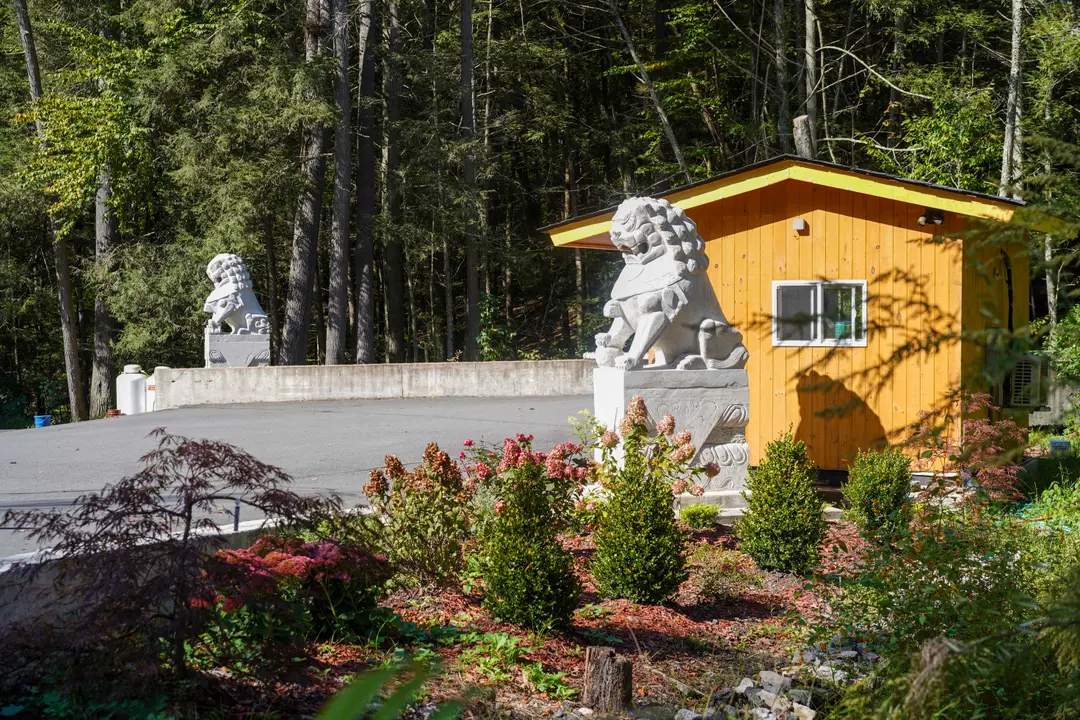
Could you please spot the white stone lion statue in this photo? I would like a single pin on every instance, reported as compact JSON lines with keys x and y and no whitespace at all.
{"x":663,"y":298}
{"x":233,"y":301}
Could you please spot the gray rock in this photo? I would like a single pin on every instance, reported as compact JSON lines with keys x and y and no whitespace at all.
{"x":870,"y":656}
{"x":744,"y":685}
{"x":763,"y":714}
{"x":828,"y":672}
{"x":773,"y":701}
{"x":717,"y":699}
{"x":804,"y":713}
{"x":847,"y":654}
{"x":730,"y":711}
{"x":804,"y":656}
{"x":586,"y":711}
{"x":800,"y":695}
{"x":686,"y":714}
{"x":774,"y":681}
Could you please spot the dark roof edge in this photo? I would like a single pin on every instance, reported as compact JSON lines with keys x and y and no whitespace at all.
{"x":808,"y":161}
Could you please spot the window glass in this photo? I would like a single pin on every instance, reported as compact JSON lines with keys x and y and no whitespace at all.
{"x":795,"y":313}
{"x":839,"y":317}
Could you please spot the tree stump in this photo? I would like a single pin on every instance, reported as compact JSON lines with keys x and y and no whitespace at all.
{"x":608,"y":681}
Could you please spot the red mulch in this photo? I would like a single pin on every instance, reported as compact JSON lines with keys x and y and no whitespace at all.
{"x":685,"y":644}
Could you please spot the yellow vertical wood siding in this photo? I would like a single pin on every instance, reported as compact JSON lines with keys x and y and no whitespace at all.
{"x":921,"y":285}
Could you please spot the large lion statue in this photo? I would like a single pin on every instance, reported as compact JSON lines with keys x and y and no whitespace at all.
{"x":233,"y":301}
{"x":663,"y":298}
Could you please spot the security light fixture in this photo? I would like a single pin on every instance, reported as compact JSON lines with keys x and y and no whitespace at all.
{"x":798,"y":225}
{"x":931,"y":216}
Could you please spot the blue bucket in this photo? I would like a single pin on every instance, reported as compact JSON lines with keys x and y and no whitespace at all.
{"x":42,"y":420}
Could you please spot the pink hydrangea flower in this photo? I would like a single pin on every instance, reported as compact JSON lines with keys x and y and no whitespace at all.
{"x":609,"y":439}
{"x":681,"y":438}
{"x":666,"y":426}
{"x":697,"y":490}
{"x":678,"y":487}
{"x":500,"y":506}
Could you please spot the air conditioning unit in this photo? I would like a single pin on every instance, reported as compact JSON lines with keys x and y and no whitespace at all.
{"x":1027,"y":385}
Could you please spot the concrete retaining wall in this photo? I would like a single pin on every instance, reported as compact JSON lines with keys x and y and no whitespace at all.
{"x":179,"y":387}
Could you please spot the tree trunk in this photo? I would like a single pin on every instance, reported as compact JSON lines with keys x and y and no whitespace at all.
{"x":363,"y":263}
{"x":1012,"y":150}
{"x":468,"y":127}
{"x":1052,"y":269}
{"x":65,"y":294}
{"x":337,"y":314}
{"x":317,"y":312}
{"x":811,"y":72}
{"x":309,"y":206}
{"x":657,"y":105}
{"x":271,"y":279}
{"x":393,"y":201}
{"x":804,"y":144}
{"x":104,"y":233}
{"x":448,"y":296}
{"x":608,"y":681}
{"x":899,"y":24}
{"x":783,"y":112}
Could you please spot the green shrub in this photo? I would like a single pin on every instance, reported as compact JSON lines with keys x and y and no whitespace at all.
{"x":699,"y":517}
{"x":782,"y":526}
{"x":529,"y":576}
{"x":877,"y":491}
{"x":721,"y":574}
{"x":640,"y":550}
{"x":422,"y":516}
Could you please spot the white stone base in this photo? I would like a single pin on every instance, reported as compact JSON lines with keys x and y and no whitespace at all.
{"x":221,"y":350}
{"x":714,"y":405}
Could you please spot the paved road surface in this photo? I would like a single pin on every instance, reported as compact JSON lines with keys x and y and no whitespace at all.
{"x":325,"y":446}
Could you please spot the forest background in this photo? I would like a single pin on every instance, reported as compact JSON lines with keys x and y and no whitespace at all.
{"x":383,"y":165}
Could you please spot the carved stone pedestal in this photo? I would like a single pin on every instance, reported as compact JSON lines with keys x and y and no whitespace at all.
{"x":712,"y":404}
{"x":228,"y":350}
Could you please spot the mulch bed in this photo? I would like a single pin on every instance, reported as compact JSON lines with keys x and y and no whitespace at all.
{"x":681,"y":651}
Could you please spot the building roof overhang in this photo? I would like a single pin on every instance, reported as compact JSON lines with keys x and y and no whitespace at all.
{"x":591,"y":231}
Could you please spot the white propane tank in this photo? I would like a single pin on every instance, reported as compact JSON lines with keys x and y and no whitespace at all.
{"x":131,"y":390}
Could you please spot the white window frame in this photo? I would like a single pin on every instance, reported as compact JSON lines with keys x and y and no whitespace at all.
{"x":819,"y":320}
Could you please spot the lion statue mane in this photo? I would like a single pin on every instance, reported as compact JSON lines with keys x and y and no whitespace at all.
{"x":663,"y":298}
{"x":233,"y":301}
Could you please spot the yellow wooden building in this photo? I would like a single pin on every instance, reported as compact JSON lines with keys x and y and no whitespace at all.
{"x":852,"y":290}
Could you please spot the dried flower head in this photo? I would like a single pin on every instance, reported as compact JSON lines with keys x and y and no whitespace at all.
{"x":377,"y":484}
{"x":683,"y":453}
{"x":697,"y":490}
{"x":679,"y":486}
{"x":711,"y":469}
{"x":681,"y":438}
{"x":394,"y":468}
{"x":666,"y":426}
{"x":609,"y":439}
{"x":636,"y":411}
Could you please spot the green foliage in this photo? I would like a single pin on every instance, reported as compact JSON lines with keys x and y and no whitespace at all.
{"x":423,"y":517}
{"x":782,"y":526}
{"x":699,"y":516}
{"x":551,"y":684}
{"x":640,"y":550}
{"x":721,"y":574}
{"x":528,"y":574}
{"x":398,"y":687}
{"x":493,"y":654}
{"x":877,"y":490}
{"x":1062,"y":347}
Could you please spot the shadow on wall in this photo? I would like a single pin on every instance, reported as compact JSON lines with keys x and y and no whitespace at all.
{"x":830,"y":417}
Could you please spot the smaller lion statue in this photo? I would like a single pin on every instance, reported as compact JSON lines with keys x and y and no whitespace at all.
{"x":663,"y":298}
{"x":233,"y":301}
